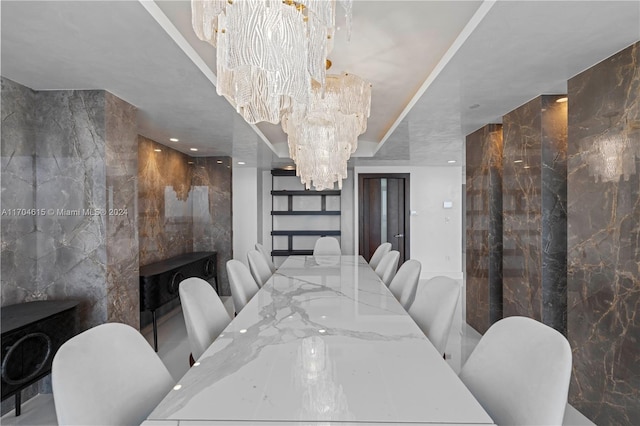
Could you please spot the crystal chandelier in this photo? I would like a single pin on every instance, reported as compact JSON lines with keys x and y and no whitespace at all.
{"x":323,"y":135}
{"x":268,"y":51}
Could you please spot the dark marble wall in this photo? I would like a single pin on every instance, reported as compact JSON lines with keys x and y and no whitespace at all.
{"x":18,"y":179}
{"x":534,"y":211}
{"x":212,"y":212}
{"x":63,"y":155}
{"x":165,"y":207}
{"x":604,"y":239}
{"x":484,"y":227}
{"x":121,"y":162}
{"x":185,"y":206}
{"x":68,"y":160}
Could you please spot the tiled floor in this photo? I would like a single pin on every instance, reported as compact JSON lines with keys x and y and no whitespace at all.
{"x":173,"y":349}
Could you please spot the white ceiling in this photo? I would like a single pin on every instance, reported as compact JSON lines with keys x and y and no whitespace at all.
{"x":430,"y":63}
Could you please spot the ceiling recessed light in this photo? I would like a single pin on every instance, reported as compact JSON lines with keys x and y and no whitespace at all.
{"x":451,"y":161}
{"x":157,"y":150}
{"x":527,"y":167}
{"x":474,"y":106}
{"x":219,"y":161}
{"x":517,"y":161}
{"x":196,"y":364}
{"x":193,"y":149}
{"x":322,"y":331}
{"x":244,"y":330}
{"x":242,"y":163}
{"x":564,"y":99}
{"x":174,"y":139}
{"x":189,"y":162}
{"x":177,"y":387}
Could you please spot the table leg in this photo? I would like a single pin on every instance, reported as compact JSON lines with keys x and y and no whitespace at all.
{"x":18,"y":399}
{"x":155,"y":331}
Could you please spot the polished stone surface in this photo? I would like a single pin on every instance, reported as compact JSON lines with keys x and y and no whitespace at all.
{"x":324,"y":340}
{"x":121,"y":162}
{"x":534,"y":211}
{"x":484,"y":227}
{"x":212,"y":212}
{"x":164,"y":202}
{"x":69,"y":160}
{"x":71,"y":157}
{"x":185,"y":206}
{"x":604,"y":239}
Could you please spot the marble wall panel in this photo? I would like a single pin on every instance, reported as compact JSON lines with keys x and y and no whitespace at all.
{"x":604,"y":239}
{"x":534,"y":211}
{"x":484,"y":227}
{"x":165,"y":207}
{"x":69,"y":135}
{"x":18,"y":230}
{"x":67,"y":159}
{"x":121,"y":161}
{"x":212,"y":212}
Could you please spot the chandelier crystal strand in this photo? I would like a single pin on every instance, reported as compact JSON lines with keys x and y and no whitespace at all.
{"x":268,"y":51}
{"x":323,"y":136}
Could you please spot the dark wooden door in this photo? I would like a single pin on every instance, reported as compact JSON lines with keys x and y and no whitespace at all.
{"x":384,"y":213}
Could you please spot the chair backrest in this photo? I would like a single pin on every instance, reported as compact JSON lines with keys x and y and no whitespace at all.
{"x":520,"y":372}
{"x":258,"y":266}
{"x":243,"y":286}
{"x":107,"y":375}
{"x":327,"y":246}
{"x":266,"y":256}
{"x":377,"y":256}
{"x":204,"y":314}
{"x":405,"y":282}
{"x":388,"y":266}
{"x":433,"y":309}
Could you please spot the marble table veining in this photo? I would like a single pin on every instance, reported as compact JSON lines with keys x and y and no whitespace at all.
{"x":323,"y":342}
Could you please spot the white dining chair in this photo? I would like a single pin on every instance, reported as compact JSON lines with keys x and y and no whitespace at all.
{"x":204,"y":314}
{"x":387,"y":267}
{"x":107,"y":375}
{"x":377,"y":256}
{"x":243,"y":286}
{"x":258,"y":267}
{"x":520,"y":372}
{"x":433,"y":308}
{"x":266,"y":256}
{"x":327,"y":246}
{"x":405,"y":282}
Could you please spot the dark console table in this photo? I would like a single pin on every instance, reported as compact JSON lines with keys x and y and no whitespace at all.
{"x":159,"y":281}
{"x":32,"y":333}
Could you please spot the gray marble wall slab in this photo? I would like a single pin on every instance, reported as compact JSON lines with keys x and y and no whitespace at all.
{"x":121,"y":155}
{"x":604,"y":239}
{"x":165,"y":206}
{"x":69,"y":135}
{"x":18,"y":230}
{"x":534,"y":211}
{"x":69,"y":158}
{"x":484,"y":227}
{"x":212,"y":212}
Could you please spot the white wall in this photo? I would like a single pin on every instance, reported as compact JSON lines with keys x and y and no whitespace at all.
{"x":246,"y":215}
{"x":436,"y":233}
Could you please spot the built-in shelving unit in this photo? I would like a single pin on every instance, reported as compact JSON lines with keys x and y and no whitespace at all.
{"x":287,"y":200}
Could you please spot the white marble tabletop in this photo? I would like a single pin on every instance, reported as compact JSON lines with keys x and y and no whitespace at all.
{"x":324,"y":340}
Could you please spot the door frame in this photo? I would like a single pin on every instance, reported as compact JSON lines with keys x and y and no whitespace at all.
{"x":407,"y":206}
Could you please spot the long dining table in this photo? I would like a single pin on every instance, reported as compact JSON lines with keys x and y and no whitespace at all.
{"x":323,"y":342}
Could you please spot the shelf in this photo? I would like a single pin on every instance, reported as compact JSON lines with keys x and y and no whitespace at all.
{"x":305,"y":212}
{"x":306,"y":232}
{"x":319,"y":218}
{"x":305,"y":192}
